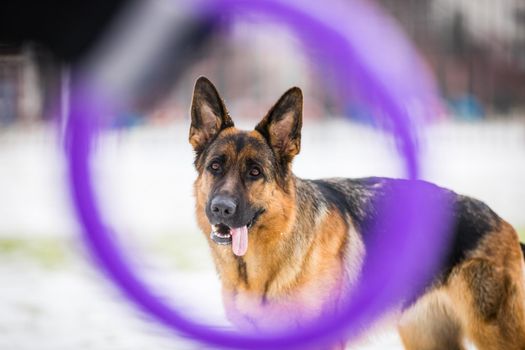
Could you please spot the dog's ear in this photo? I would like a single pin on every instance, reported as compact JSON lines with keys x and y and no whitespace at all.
{"x":282,"y":125}
{"x":208,"y":115}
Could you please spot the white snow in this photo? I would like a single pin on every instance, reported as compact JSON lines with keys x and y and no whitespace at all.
{"x":144,"y":182}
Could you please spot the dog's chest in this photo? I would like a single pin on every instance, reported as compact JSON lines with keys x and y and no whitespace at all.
{"x":273,"y":307}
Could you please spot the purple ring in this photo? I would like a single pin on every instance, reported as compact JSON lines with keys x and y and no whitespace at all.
{"x":389,"y":88}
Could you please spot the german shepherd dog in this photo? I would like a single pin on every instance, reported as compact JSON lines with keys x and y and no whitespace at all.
{"x":285,"y":248}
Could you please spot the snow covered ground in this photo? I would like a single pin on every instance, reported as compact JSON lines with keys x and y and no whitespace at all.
{"x":52,"y":296}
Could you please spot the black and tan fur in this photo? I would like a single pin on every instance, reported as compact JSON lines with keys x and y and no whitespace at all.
{"x":306,"y":242}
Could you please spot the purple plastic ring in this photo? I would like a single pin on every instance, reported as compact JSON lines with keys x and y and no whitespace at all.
{"x":364,"y":47}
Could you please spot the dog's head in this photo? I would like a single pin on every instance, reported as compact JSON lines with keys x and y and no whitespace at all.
{"x":244,"y":184}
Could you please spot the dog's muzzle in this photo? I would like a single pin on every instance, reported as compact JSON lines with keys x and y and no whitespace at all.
{"x":222,"y":234}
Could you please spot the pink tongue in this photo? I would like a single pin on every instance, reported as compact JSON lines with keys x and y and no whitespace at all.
{"x":239,"y":240}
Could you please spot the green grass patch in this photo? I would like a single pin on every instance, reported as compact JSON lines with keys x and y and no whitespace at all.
{"x":183,"y":251}
{"x":521,"y":232}
{"x":49,"y":252}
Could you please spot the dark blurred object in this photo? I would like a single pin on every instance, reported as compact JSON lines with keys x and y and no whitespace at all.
{"x":37,"y":40}
{"x":29,"y":84}
{"x":67,"y":28}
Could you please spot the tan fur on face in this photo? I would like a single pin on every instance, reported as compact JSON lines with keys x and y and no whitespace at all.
{"x":273,"y":223}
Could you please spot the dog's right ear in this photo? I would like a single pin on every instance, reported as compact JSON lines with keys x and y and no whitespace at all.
{"x":208,"y":115}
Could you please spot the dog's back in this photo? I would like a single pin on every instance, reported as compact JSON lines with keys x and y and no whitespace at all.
{"x":467,"y":221}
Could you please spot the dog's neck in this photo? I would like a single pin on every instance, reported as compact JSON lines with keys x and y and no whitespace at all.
{"x":293,"y":271}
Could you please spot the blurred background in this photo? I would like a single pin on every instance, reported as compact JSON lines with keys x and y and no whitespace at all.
{"x":52,"y":296}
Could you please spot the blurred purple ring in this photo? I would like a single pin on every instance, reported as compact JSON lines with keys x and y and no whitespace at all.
{"x":363,"y":46}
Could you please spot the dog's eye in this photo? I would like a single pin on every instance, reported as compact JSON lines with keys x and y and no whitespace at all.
{"x":255,"y":172}
{"x":215,"y":167}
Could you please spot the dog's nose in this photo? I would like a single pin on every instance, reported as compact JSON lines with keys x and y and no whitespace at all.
{"x":223,"y":207}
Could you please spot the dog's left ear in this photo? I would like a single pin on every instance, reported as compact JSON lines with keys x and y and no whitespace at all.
{"x":282,"y":125}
